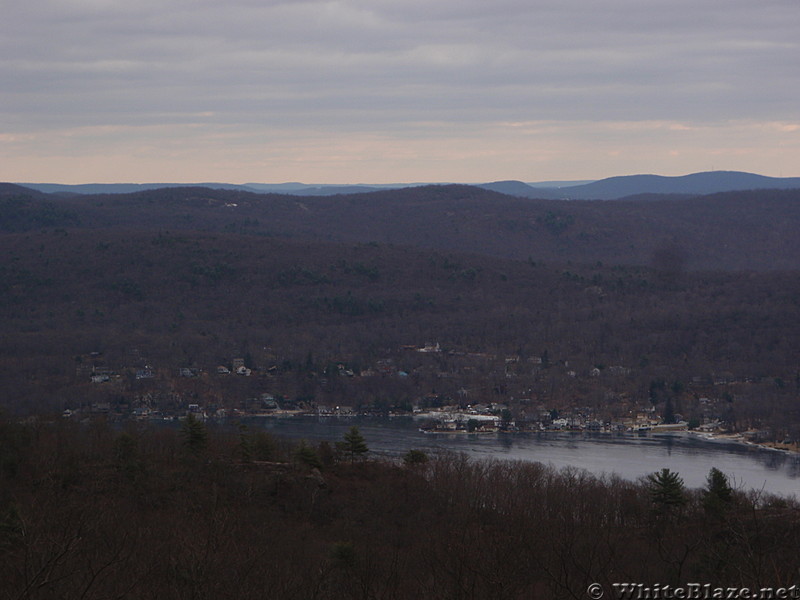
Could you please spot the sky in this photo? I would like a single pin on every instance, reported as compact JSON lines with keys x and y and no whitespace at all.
{"x":396,"y":91}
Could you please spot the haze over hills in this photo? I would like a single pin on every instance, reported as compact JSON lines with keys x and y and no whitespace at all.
{"x":604,"y":189}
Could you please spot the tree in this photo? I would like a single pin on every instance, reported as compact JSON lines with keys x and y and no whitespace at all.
{"x":669,"y":412}
{"x":307,"y":455}
{"x":718,"y":494}
{"x":195,"y":435}
{"x":666,"y":490}
{"x":415,"y":457}
{"x":354,"y":444}
{"x":258,"y":445}
{"x":126,"y":455}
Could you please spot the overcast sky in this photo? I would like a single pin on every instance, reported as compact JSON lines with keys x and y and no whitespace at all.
{"x":383,"y":91}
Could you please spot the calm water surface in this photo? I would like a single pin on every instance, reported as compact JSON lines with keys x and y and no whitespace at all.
{"x":626,"y":455}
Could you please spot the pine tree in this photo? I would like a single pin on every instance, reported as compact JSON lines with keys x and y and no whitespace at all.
{"x":666,"y":490}
{"x":354,"y":444}
{"x":195,"y":435}
{"x":415,"y":457}
{"x":718,"y":494}
{"x":307,"y":455}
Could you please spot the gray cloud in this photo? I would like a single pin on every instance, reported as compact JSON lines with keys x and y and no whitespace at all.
{"x":387,"y":66}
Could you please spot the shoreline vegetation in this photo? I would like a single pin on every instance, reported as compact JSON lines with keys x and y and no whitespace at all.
{"x":95,"y":512}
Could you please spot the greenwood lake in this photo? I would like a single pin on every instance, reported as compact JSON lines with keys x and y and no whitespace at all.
{"x":629,"y":456}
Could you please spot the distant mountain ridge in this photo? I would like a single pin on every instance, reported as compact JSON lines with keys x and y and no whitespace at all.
{"x":612,"y":188}
{"x":122,"y":188}
{"x":290,"y":188}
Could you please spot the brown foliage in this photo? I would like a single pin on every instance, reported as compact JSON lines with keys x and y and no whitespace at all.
{"x":74,"y":524}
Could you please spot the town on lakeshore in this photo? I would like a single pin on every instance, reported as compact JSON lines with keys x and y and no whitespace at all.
{"x":246,"y":388}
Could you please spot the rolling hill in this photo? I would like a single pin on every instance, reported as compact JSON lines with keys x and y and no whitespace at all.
{"x":633,"y":185}
{"x":752,"y":230}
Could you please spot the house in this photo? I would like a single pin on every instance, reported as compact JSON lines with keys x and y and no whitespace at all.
{"x":723,"y":378}
{"x":428,"y":347}
{"x":757,"y":435}
{"x":343,"y":370}
{"x":268,"y":402}
{"x":710,"y":426}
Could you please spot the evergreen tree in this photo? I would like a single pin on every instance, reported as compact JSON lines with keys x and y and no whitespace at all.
{"x":195,"y":435}
{"x":307,"y":455}
{"x":666,"y":490}
{"x":354,"y":444}
{"x":669,"y":412}
{"x":415,"y":457}
{"x":718,"y":494}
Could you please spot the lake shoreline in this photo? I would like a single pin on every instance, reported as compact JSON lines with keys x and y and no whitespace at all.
{"x":739,"y":438}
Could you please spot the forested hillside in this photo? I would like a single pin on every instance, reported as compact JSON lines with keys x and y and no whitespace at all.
{"x":106,"y":300}
{"x":294,"y":310}
{"x":731,"y":231}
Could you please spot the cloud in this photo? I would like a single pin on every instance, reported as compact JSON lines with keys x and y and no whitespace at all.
{"x":355,"y":68}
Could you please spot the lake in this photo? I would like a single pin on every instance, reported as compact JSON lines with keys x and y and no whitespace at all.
{"x":627,"y":455}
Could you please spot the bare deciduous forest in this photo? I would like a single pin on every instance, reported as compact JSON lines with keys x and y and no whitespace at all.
{"x":142,"y":513}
